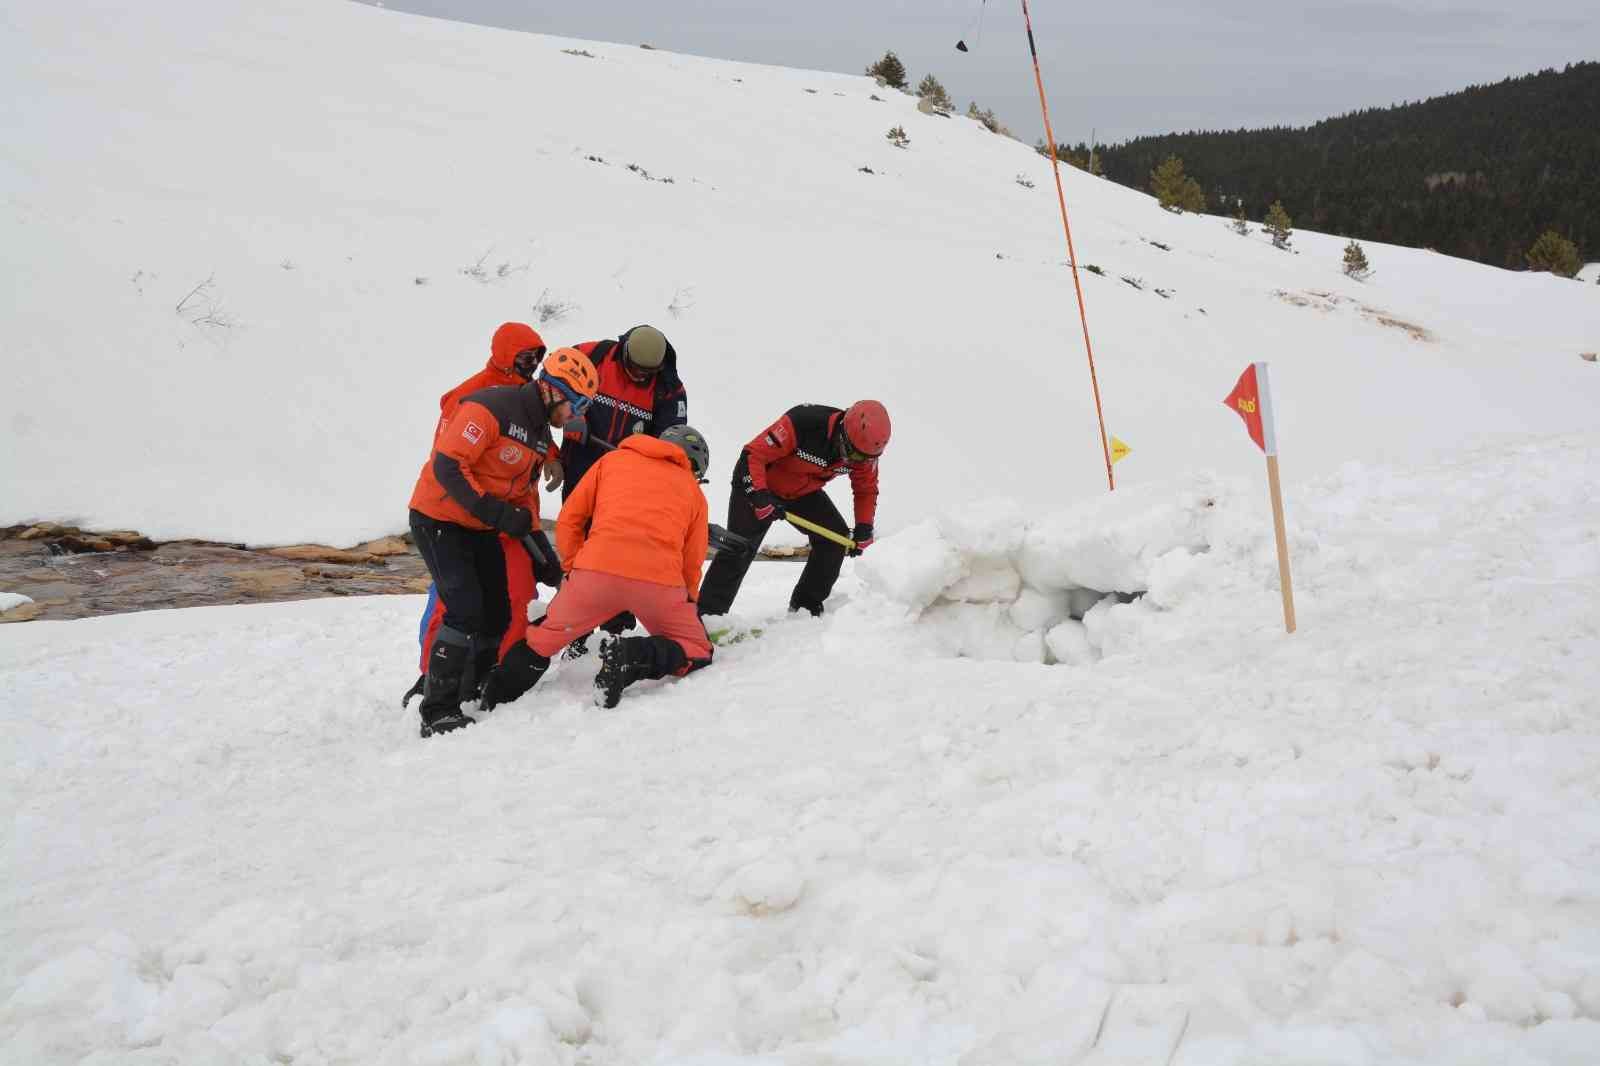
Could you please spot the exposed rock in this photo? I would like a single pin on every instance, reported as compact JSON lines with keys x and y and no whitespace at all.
{"x":43,"y":529}
{"x":318,"y":553}
{"x":266,"y":582}
{"x":1589,"y":356}
{"x":384,"y":546}
{"x":22,"y":612}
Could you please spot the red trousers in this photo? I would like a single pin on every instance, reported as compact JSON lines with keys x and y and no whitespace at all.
{"x":589,"y":597}
{"x":520,"y":591}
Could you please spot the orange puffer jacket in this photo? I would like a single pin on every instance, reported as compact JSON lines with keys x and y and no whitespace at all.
{"x":637,"y":513}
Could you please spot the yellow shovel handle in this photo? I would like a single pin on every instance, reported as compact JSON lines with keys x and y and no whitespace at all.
{"x":821,"y":531}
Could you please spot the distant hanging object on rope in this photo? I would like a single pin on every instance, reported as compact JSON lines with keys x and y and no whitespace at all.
{"x":961,"y":45}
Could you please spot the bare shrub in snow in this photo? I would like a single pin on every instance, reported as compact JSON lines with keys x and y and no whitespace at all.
{"x":201,"y":307}
{"x":549,"y":308}
{"x":1137,"y":283}
{"x":577,"y":52}
{"x":1024,"y":182}
{"x":682,"y":300}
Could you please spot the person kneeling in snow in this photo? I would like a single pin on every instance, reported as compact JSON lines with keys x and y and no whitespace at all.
{"x":632,"y":537}
{"x":480,"y":482}
{"x":783,"y":471}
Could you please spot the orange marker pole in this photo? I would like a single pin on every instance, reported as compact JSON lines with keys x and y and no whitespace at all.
{"x":1072,"y":257}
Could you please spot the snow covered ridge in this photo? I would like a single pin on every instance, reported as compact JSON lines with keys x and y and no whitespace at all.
{"x":245,"y":246}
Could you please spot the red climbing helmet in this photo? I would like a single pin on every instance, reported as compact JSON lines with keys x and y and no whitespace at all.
{"x":866,"y":428}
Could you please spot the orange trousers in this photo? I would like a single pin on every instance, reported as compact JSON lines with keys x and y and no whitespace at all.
{"x":589,"y":597}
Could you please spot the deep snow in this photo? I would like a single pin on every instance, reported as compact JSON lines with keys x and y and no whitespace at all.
{"x":332,"y":169}
{"x":894,"y":835}
{"x":1375,"y":842}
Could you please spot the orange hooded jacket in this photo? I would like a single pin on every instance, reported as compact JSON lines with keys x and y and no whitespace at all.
{"x":509,"y":339}
{"x":638,"y":513}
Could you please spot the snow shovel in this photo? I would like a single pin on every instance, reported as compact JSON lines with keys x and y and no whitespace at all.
{"x":722,"y":540}
{"x":822,"y":531}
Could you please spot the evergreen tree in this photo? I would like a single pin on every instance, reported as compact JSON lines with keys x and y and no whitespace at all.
{"x":1278,"y":225}
{"x":931,"y":89}
{"x":1554,"y":253}
{"x":1174,"y":190}
{"x":1446,"y":173}
{"x":1241,"y":225}
{"x":890,"y":69}
{"x":897,"y":137}
{"x":1355,"y":262}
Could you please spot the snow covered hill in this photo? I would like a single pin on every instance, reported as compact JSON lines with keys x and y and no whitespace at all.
{"x":247,"y":245}
{"x":1375,"y":843}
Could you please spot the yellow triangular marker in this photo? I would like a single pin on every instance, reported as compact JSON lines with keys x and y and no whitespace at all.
{"x":1119,"y":450}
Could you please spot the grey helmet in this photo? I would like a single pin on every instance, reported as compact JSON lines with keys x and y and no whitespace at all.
{"x":694,"y":446}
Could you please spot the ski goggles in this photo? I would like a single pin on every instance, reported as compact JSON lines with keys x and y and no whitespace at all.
{"x":580,"y":402}
{"x":527,"y":361}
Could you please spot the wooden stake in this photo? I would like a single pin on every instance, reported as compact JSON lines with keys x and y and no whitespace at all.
{"x":1284,"y":582}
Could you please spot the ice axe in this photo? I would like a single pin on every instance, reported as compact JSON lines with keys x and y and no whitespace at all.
{"x":822,"y":531}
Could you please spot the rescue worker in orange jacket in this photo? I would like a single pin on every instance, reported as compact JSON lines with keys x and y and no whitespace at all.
{"x":515,"y":353}
{"x":480,"y":483}
{"x":783,"y":470}
{"x":632,"y":537}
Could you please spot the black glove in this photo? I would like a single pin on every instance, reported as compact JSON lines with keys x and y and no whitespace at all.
{"x":619,"y":624}
{"x":863,"y":538}
{"x":548,"y":570}
{"x":766,"y":506}
{"x":513,"y":521}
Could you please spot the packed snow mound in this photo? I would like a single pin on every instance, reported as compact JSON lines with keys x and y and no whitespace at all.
{"x":247,"y":244}
{"x":995,"y":583}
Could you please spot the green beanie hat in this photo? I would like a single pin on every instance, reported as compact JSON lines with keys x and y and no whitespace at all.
{"x":646,"y":347}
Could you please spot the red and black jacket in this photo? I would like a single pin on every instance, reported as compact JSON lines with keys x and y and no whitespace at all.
{"x":799,"y":454}
{"x":623,"y":407}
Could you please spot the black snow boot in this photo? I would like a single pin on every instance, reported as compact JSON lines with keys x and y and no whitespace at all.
{"x":519,"y":671}
{"x":630,"y":659}
{"x":441,"y":693}
{"x":797,"y":605}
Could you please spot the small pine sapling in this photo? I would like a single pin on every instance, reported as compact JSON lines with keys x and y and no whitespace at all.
{"x":1278,"y":225}
{"x":1355,"y":262}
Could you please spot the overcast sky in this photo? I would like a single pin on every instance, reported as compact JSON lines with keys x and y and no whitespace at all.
{"x":1125,"y":67}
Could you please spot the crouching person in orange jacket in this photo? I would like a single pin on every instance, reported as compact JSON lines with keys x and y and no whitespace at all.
{"x":632,"y":537}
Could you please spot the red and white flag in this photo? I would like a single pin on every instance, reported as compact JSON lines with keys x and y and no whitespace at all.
{"x":1251,"y":400}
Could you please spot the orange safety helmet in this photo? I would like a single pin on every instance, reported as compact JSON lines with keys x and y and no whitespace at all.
{"x":572,"y":368}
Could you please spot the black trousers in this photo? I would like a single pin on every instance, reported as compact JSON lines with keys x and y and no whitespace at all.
{"x":470,"y":570}
{"x":722,"y":581}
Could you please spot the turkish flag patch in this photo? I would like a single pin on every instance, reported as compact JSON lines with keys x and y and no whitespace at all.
{"x":473,"y":432}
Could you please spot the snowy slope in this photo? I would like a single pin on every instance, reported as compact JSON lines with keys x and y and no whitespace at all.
{"x":1377,"y":842}
{"x":233,"y":239}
